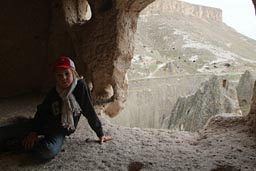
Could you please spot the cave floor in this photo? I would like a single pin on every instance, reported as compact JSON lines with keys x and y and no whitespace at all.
{"x":225,"y":145}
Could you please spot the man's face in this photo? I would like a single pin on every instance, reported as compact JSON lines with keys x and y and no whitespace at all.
{"x":64,"y":78}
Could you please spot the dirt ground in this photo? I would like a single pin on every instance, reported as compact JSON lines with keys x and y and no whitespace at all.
{"x":219,"y":149}
{"x":226,"y":144}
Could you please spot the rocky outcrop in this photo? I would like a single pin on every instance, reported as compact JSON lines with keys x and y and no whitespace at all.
{"x":151,"y":99}
{"x":213,"y":97}
{"x":252,"y":112}
{"x":176,"y":6}
{"x":102,"y":50}
{"x":245,"y":89}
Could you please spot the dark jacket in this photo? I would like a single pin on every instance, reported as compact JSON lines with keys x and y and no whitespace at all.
{"x":47,"y":120}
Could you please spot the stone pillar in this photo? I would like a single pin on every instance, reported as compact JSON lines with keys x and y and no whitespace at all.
{"x":252,"y":112}
{"x":104,"y":46}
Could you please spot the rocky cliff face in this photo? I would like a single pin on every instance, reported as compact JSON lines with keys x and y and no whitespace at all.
{"x":245,"y":90}
{"x":176,"y":6}
{"x":169,"y":43}
{"x":213,"y":97}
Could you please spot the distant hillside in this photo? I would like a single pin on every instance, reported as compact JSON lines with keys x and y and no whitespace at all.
{"x":187,"y":9}
{"x":182,"y":40}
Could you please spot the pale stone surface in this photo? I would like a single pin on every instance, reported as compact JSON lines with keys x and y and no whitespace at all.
{"x":214,"y":96}
{"x":252,"y":111}
{"x":245,"y":88}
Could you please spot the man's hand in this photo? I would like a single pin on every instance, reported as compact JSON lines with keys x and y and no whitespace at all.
{"x":30,"y":140}
{"x":105,"y":139}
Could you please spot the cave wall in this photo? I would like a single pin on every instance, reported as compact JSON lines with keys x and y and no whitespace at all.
{"x":254,"y":3}
{"x":23,"y":45}
{"x":104,"y":47}
{"x":35,"y":33}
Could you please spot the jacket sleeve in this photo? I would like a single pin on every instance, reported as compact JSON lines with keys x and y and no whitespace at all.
{"x":90,"y":113}
{"x":43,"y":110}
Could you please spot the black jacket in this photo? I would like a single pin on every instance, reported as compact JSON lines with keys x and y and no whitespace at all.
{"x":47,"y":120}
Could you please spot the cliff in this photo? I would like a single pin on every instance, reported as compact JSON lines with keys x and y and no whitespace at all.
{"x":172,"y":6}
{"x":170,"y":43}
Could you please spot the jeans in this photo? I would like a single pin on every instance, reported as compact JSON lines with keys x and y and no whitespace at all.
{"x":12,"y":135}
{"x":49,"y":146}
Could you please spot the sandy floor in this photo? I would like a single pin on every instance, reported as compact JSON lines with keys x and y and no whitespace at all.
{"x":226,"y":145}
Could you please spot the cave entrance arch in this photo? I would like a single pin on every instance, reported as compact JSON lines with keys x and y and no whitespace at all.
{"x":153,"y":93}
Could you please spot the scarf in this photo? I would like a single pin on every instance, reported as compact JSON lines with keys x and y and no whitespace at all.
{"x":69,"y":106}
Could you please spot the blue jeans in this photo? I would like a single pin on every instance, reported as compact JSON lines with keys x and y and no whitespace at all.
{"x":47,"y":147}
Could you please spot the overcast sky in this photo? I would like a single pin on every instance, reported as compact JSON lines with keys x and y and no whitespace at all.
{"x":238,"y":14}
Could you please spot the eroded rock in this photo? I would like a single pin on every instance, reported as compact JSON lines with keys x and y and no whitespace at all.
{"x":213,"y":97}
{"x":104,"y":47}
{"x":245,"y":90}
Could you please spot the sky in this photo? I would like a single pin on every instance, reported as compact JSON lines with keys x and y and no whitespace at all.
{"x":239,"y":14}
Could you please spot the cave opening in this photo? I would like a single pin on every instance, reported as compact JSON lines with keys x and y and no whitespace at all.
{"x":176,"y":56}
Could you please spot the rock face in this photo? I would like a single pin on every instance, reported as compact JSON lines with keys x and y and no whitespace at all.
{"x":101,"y":48}
{"x":252,"y":112}
{"x":35,"y":33}
{"x":213,"y":97}
{"x":172,"y":6}
{"x":169,"y":42}
{"x":245,"y":90}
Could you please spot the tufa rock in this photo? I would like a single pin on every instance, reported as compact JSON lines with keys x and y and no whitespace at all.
{"x":213,"y":97}
{"x":245,"y":88}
